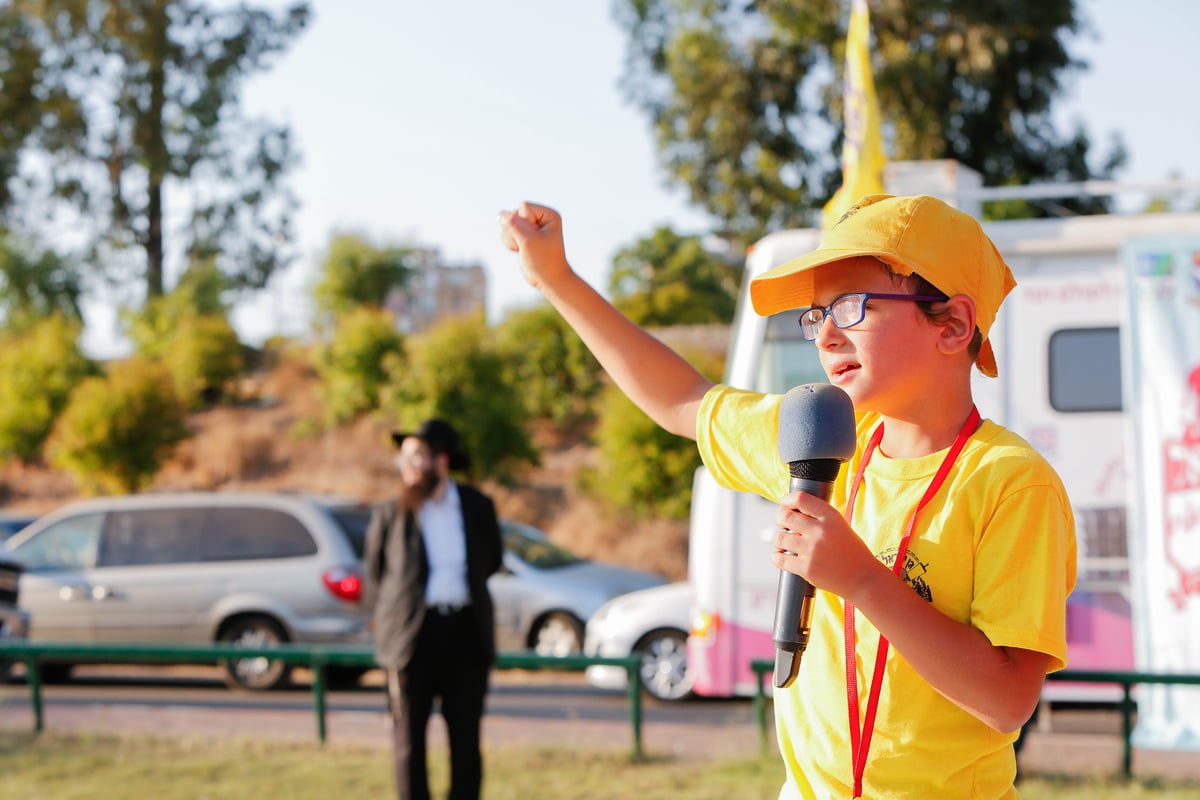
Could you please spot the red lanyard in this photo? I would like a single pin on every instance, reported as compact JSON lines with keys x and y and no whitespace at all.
{"x":860,"y":738}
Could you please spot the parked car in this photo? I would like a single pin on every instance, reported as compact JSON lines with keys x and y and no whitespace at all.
{"x":544,"y":594}
{"x":12,"y":522}
{"x":196,"y":567}
{"x":651,"y":624}
{"x":14,"y":622}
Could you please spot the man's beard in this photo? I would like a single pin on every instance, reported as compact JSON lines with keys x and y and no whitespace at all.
{"x":417,"y":493}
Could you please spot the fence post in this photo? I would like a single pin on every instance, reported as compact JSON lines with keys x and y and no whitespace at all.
{"x":634,"y":687}
{"x":33,"y":674}
{"x":318,"y":687}
{"x":1127,"y":729}
{"x":761,"y":668}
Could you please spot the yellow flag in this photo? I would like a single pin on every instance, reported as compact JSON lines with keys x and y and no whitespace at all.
{"x":862,"y":154}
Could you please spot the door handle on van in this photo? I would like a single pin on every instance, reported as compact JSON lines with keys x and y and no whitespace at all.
{"x":69,"y":594}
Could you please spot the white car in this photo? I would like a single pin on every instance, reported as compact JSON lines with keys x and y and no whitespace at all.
{"x":651,"y":624}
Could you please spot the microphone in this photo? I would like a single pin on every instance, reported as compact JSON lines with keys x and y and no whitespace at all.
{"x":816,"y":434}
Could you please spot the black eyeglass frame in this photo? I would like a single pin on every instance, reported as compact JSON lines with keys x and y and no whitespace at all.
{"x":814,"y":326}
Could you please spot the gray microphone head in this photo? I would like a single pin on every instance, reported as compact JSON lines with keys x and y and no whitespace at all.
{"x":816,"y":421}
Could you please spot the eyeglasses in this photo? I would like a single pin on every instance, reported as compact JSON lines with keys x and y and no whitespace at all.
{"x":413,"y":459}
{"x":850,"y":309}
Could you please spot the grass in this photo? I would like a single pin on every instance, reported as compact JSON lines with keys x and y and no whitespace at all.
{"x":71,"y":767}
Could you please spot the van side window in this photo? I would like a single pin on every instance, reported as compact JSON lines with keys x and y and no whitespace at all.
{"x":353,"y":522}
{"x":152,"y":536}
{"x":239,"y":534}
{"x":1085,"y":370}
{"x":787,"y":359}
{"x":70,"y":543}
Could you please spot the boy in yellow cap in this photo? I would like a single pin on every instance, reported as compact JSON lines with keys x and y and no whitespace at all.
{"x":946,"y":552}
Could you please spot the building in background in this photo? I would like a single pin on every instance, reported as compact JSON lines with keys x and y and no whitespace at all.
{"x":436,"y":291}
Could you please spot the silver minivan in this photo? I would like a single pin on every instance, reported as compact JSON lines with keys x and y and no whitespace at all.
{"x":256,"y":568}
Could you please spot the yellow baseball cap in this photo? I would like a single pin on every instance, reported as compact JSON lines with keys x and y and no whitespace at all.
{"x":921,"y":234}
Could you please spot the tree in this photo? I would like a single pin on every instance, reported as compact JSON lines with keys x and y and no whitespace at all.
{"x":38,"y":371}
{"x":357,"y":273}
{"x":557,"y":376}
{"x":668,"y":279}
{"x":646,"y":471}
{"x":116,"y":431}
{"x":745,"y":101}
{"x":35,"y":284}
{"x":364,"y":355}
{"x":28,"y":112}
{"x":144,"y":109}
{"x":454,"y":372}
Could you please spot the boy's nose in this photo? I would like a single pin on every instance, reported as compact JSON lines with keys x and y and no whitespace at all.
{"x":826,"y":329}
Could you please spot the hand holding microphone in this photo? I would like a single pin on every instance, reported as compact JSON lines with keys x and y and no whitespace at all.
{"x":816,"y":435}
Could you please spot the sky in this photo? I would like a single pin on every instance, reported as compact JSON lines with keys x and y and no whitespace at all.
{"x":418,"y":121}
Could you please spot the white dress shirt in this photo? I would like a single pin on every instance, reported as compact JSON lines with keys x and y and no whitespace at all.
{"x":446,"y":549}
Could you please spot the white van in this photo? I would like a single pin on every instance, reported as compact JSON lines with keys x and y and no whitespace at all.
{"x":1057,"y":341}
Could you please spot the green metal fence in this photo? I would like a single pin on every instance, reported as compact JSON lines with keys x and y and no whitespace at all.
{"x":1126,"y":680}
{"x":315,"y":657}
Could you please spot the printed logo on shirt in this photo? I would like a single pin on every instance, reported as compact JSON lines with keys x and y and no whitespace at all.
{"x":915,"y":571}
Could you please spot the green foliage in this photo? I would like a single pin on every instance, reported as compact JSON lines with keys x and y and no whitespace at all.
{"x":122,"y":100}
{"x":357,"y":273}
{"x":117,"y":430}
{"x":745,"y":99}
{"x":28,"y":111}
{"x":204,"y":358}
{"x":198,"y":294}
{"x":454,"y":372}
{"x":35,"y":284}
{"x":668,"y":279}
{"x":646,"y":471}
{"x":555,"y":375}
{"x":365,"y":354}
{"x":38,"y":371}
{"x":188,"y":330}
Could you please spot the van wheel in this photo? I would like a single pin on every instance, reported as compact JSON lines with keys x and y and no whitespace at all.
{"x":559,"y":634}
{"x":260,"y":673}
{"x":342,"y":678}
{"x":54,"y":672}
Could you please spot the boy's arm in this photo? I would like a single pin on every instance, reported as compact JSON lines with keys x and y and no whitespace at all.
{"x":656,"y":378}
{"x":998,"y":685}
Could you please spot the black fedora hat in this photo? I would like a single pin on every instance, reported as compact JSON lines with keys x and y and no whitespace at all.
{"x":442,"y":440}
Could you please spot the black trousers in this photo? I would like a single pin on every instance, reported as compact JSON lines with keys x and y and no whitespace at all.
{"x":447,"y":665}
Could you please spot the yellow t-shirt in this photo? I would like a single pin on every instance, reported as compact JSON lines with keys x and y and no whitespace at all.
{"x":994,"y":548}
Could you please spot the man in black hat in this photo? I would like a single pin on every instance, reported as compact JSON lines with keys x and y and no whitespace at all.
{"x":427,"y":558}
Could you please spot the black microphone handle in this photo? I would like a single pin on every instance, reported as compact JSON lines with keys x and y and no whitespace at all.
{"x":794,"y":603}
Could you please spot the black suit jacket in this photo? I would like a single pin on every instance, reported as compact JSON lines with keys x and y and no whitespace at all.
{"x":396,"y":571}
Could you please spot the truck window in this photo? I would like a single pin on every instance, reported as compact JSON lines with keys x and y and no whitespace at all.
{"x":1085,"y":370}
{"x":787,"y":360}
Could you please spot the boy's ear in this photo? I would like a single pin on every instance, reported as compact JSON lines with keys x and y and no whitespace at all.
{"x":959,"y":326}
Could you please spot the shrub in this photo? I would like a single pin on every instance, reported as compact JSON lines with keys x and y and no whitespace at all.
{"x":557,"y":376}
{"x":645,"y":471}
{"x":366,"y":352}
{"x":204,"y":358}
{"x":117,"y":430}
{"x":37,"y":373}
{"x":454,"y":373}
